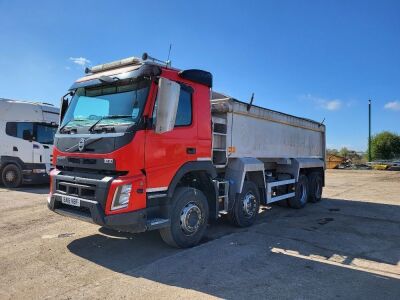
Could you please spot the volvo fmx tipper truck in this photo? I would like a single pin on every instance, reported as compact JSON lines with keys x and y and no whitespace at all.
{"x":144,"y":146}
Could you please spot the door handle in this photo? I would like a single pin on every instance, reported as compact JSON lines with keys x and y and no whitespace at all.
{"x":191,"y":150}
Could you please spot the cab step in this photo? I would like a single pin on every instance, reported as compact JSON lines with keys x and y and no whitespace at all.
{"x":157,"y":223}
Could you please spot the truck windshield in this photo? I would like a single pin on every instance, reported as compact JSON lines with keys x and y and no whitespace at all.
{"x":114,"y":105}
{"x":45,"y":133}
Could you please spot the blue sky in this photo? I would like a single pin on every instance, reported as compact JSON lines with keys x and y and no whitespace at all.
{"x":316,"y":59}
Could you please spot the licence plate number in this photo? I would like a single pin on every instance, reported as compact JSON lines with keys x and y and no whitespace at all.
{"x":71,"y":200}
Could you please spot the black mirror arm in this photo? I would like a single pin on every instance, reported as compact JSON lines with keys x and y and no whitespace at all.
{"x":70,"y":93}
{"x":64,"y":104}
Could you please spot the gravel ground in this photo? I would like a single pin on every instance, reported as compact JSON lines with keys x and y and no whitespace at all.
{"x":346,"y":246}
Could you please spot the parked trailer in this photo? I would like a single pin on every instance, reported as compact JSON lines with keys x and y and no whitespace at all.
{"x":143,"y":146}
{"x":26,"y":132}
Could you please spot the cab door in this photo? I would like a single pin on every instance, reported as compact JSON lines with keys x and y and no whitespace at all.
{"x":42,"y":146}
{"x":165,"y":153}
{"x":37,"y":147}
{"x":21,"y":141}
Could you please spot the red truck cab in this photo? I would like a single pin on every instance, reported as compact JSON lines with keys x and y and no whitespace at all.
{"x":120,"y":155}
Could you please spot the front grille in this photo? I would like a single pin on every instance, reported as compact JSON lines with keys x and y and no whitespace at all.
{"x":86,"y":191}
{"x":103,"y":166}
{"x":74,"y":160}
{"x":89,"y":161}
{"x":82,"y":161}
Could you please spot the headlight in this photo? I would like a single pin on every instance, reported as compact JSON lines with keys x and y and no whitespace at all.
{"x":121,"y":196}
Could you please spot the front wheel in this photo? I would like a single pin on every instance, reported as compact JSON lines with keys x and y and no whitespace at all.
{"x":247,"y":204}
{"x":11,"y":176}
{"x":189,"y":217}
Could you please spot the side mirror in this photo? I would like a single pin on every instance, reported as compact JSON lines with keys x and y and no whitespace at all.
{"x":167,"y":105}
{"x":63,"y":107}
{"x":26,"y":135}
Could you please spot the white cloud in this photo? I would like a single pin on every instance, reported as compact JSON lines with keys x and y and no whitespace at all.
{"x":324,"y":103}
{"x":393,"y":105}
{"x":331,"y":104}
{"x":81,"y":61}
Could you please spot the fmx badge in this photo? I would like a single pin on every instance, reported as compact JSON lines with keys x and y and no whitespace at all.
{"x":108,"y":160}
{"x":81,"y":144}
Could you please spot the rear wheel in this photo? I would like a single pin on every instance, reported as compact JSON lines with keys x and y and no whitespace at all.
{"x":189,"y":217}
{"x":11,"y":176}
{"x":247,"y":205}
{"x":301,"y":193}
{"x":315,"y":187}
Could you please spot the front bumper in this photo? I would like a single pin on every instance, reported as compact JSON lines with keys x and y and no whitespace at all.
{"x":93,"y":191}
{"x":91,"y":211}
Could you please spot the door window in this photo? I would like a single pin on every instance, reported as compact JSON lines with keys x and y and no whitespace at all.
{"x":184,"y":112}
{"x":23,"y":130}
{"x":42,"y":133}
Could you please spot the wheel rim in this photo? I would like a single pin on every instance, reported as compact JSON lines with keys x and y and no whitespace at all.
{"x":10,"y":176}
{"x":190,"y":218}
{"x":303,"y":190}
{"x":249,"y":205}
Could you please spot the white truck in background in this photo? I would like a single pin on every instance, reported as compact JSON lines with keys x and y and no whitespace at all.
{"x":26,"y":141}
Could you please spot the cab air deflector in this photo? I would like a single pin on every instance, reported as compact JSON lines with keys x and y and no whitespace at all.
{"x":199,"y":76}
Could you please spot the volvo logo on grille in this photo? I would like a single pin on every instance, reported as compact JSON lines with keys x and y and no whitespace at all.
{"x":81,"y":144}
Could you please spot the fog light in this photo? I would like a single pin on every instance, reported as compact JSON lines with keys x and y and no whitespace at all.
{"x":121,"y":197}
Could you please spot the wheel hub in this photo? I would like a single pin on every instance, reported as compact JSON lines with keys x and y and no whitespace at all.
{"x":190,"y":218}
{"x":249,"y":204}
{"x":10,"y":176}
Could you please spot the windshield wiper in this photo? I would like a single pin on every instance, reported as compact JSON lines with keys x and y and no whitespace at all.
{"x":91,"y":129}
{"x":62,"y":127}
{"x":61,"y":130}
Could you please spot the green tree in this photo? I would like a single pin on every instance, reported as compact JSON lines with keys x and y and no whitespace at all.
{"x":344,"y":152}
{"x":385,"y":145}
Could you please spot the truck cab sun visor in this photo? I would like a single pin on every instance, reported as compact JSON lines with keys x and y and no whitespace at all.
{"x":144,"y":70}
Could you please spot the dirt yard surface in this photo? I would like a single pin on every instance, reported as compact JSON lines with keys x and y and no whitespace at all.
{"x":346,"y":246}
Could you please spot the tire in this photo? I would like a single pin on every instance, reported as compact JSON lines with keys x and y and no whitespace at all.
{"x":246,"y":207}
{"x":315,"y":187}
{"x":300,"y":198}
{"x":189,"y":218}
{"x":11,"y":176}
